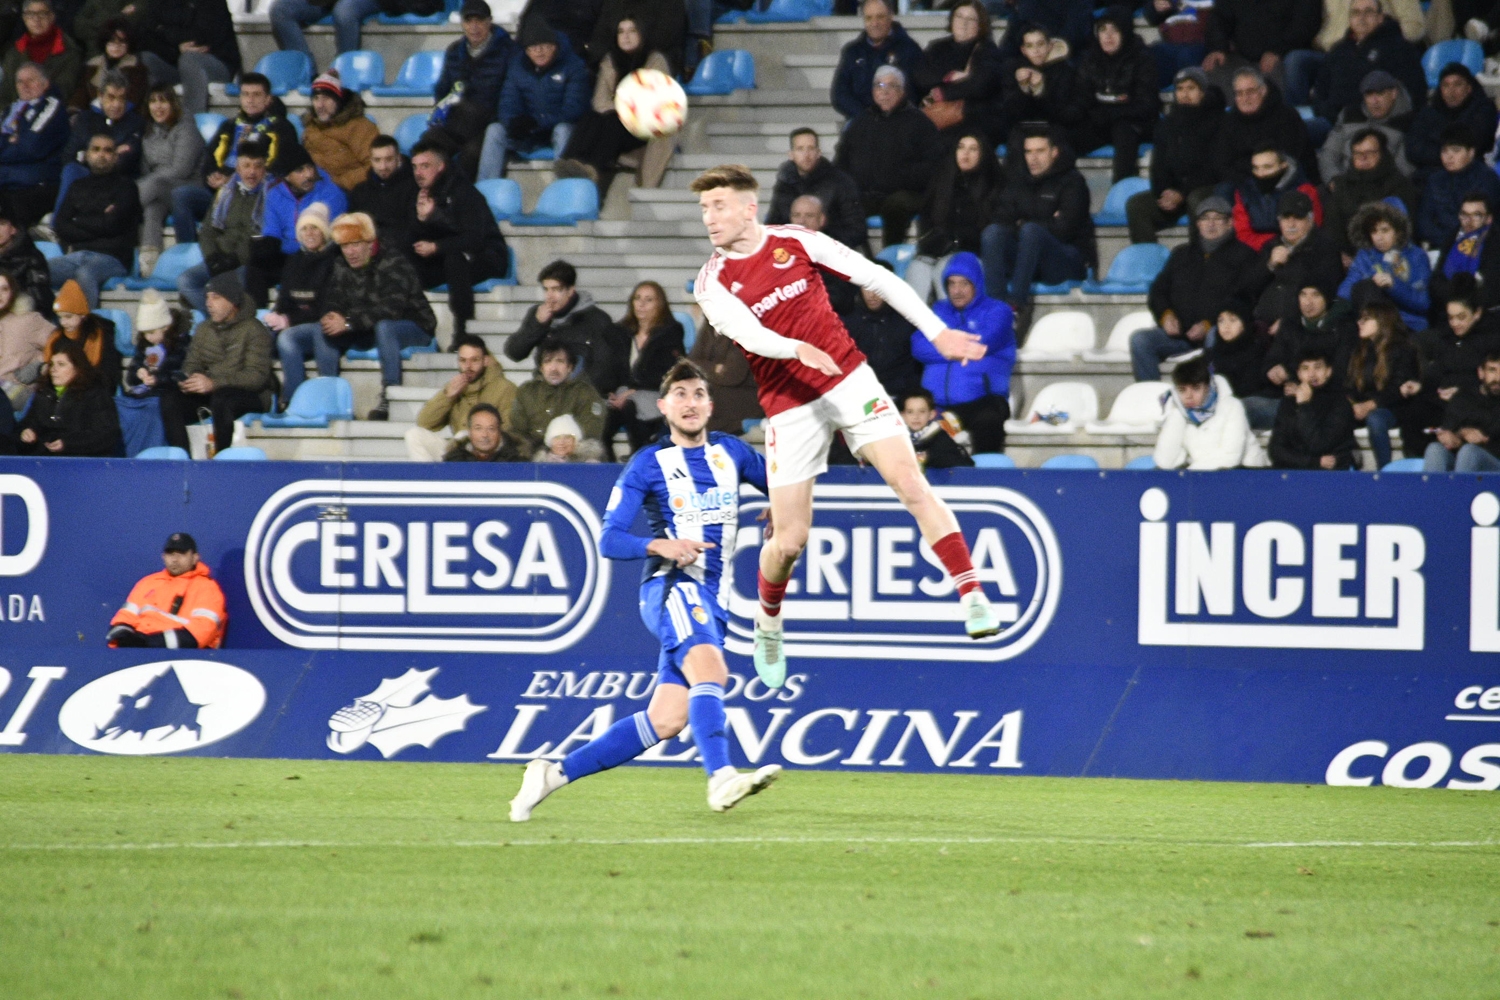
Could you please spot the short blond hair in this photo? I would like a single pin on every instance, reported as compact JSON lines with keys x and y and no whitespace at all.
{"x":735,"y":176}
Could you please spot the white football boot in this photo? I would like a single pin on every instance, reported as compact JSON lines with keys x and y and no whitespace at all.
{"x":728,"y":786}
{"x":770,"y":652}
{"x":980,"y":620}
{"x":542,"y":778}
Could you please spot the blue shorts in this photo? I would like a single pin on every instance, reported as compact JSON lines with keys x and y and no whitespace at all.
{"x":681,"y":619}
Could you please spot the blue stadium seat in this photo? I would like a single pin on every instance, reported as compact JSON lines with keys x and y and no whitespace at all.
{"x":416,"y":78}
{"x":1454,"y":50}
{"x":49,"y":249}
{"x":1144,"y":462}
{"x":1070,"y":462}
{"x":1113,"y":213}
{"x":540,"y":153}
{"x":1404,"y":465}
{"x":169,"y":267}
{"x":781,"y":11}
{"x":1108,"y":152}
{"x":287,"y":69}
{"x":359,"y":69}
{"x":208,"y":123}
{"x":164,"y":452}
{"x":410,"y":130}
{"x":715,"y":75}
{"x":441,"y":17}
{"x":564,"y":202}
{"x":899,"y":256}
{"x":1132,"y":271}
{"x":315,"y":403}
{"x":744,"y":69}
{"x":689,"y":328}
{"x":503,"y":196}
{"x":124,"y":332}
{"x":241,"y":454}
{"x":750,"y":423}
{"x":993,"y":460}
{"x":874,"y":222}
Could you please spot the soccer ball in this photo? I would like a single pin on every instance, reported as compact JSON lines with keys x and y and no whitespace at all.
{"x":650,"y":104}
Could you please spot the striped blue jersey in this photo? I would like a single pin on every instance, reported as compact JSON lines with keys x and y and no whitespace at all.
{"x":686,"y":493}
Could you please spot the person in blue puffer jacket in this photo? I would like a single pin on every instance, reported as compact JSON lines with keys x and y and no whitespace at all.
{"x":1388,"y":265}
{"x":978,"y":392}
{"x":546,"y":91}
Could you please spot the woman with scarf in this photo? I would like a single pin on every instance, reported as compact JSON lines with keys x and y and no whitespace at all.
{"x":1383,"y":381}
{"x":94,"y":335}
{"x":958,"y":81}
{"x":1117,"y":99}
{"x":1388,"y":267}
{"x":957,"y":208}
{"x":1204,"y":428}
{"x":1257,"y":198}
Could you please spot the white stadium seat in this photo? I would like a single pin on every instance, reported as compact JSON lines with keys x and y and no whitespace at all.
{"x":1059,"y":336}
{"x":1070,"y":404}
{"x":1136,"y":410}
{"x":1117,"y":348}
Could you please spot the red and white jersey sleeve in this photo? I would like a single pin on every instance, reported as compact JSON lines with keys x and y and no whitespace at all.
{"x":771,"y":298}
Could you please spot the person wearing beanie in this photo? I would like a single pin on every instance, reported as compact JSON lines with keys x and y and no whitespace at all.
{"x":546,"y":91}
{"x":561,"y":441}
{"x":1185,"y":298}
{"x":336,"y":132}
{"x":303,"y":186}
{"x":1458,"y":99}
{"x":161,"y":340}
{"x":1118,"y":103}
{"x":95,"y":333}
{"x":1303,"y":255}
{"x":1238,"y":354}
{"x":1385,"y":105}
{"x":227,"y":369}
{"x":295,"y":316}
{"x":98,"y":222}
{"x":1182,"y":163}
{"x":234,"y":222}
{"x":1323,"y":321}
{"x":374,"y":297}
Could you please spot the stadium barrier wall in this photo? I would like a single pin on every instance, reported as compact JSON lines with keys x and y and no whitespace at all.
{"x":1300,"y":627}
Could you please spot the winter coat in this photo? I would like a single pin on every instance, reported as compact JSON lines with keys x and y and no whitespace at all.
{"x":1406,"y":263}
{"x":586,"y":329}
{"x":958,"y":206}
{"x":460,"y":222}
{"x":385,"y":288}
{"x":1314,"y":261}
{"x":1251,"y":28}
{"x":1476,"y":409}
{"x":101,"y":212}
{"x":125,"y":130}
{"x":1334,"y":157}
{"x":33,"y":155}
{"x":665,"y":344}
{"x":1442,"y":286}
{"x":889,"y":152}
{"x":1349,"y":62}
{"x":1335,"y":332}
{"x":62,"y":69}
{"x":537,"y":402}
{"x":1183,"y":157}
{"x":165,"y":364}
{"x":1403,"y":366}
{"x":1117,"y":87}
{"x":1276,"y":124}
{"x":1354,"y":188}
{"x":1437,"y":220}
{"x":190,"y":602}
{"x":1223,"y":441}
{"x":482,"y":75}
{"x":235,"y":354}
{"x":854,"y":79}
{"x":952,"y":382}
{"x":730,"y":380}
{"x":342,"y":147}
{"x":272,"y":126}
{"x":138,"y":81}
{"x":23,"y":335}
{"x":1305,"y":432}
{"x":25,"y":263}
{"x":884,"y":337}
{"x":175,"y":153}
{"x":387,"y":202}
{"x":1424,"y":144}
{"x":1455,"y":360}
{"x":1242,"y":362}
{"x":242,"y":223}
{"x":1194,"y":286}
{"x":1057,"y":200}
{"x":491,"y":387}
{"x":831,"y":186}
{"x":543,"y":96}
{"x":283,"y":205}
{"x":1055,"y":103}
{"x":163,"y":26}
{"x":979,"y":89}
{"x":85,"y":421}
{"x":1255,"y":222}
{"x":304,"y":280}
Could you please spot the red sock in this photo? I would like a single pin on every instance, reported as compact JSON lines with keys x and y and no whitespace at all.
{"x":954,"y":552}
{"x":771,"y":594}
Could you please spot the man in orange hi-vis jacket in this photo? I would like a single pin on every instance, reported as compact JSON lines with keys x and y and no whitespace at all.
{"x":179,"y":608}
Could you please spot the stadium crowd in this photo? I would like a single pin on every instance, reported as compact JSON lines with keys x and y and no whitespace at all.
{"x":1338,"y":271}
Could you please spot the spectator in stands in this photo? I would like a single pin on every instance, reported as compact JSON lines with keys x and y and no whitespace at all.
{"x":890,"y":149}
{"x":958,"y":81}
{"x":479,"y":382}
{"x":1372,"y":176}
{"x":261,"y":117}
{"x":574,"y":19}
{"x":960,"y":200}
{"x":71,"y":412}
{"x":1259,"y":118}
{"x":978,"y":392}
{"x":233,"y":223}
{"x":1471,"y":251}
{"x":1373,"y":43}
{"x":375,"y":296}
{"x":336,"y":133}
{"x":1182,"y":162}
{"x":191,"y":42}
{"x":1257,"y":197}
{"x":1205,"y":427}
{"x":196,"y":619}
{"x":1259,"y":33}
{"x":113,"y":51}
{"x":24,"y":333}
{"x":560,"y":444}
{"x":98,"y":223}
{"x":478,"y":61}
{"x":387,"y":192}
{"x":1463,"y":175}
{"x":552,"y":392}
{"x":44,"y":45}
{"x":599,"y":140}
{"x":1458,"y":100}
{"x":486,"y":439}
{"x":303,"y":185}
{"x":1039,"y":84}
{"x":1469,"y":438}
{"x":546,"y":92}
{"x":730,"y":380}
{"x":1388,"y":267}
{"x":1322,"y":320}
{"x":1302,"y":65}
{"x":1315,"y":423}
{"x":570,"y":317}
{"x":1386,"y":107}
{"x":92,"y":332}
{"x":1070,"y":20}
{"x":161,"y":342}
{"x":1383,"y":379}
{"x":930,"y":436}
{"x":1238,"y":355}
{"x":883,"y":43}
{"x":22,"y":261}
{"x":32,"y":137}
{"x":1042,"y":229}
{"x":296,"y":318}
{"x":1118,"y":103}
{"x":657,"y":342}
{"x":1303,"y":255}
{"x":807,"y":212}
{"x":1455,"y":355}
{"x":289,"y":17}
{"x":171,"y":150}
{"x":1213,"y":268}
{"x":884,"y":337}
{"x":113,"y":115}
{"x":807,"y":172}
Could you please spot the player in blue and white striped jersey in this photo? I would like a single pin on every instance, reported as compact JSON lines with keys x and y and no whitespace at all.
{"x":688,"y":484}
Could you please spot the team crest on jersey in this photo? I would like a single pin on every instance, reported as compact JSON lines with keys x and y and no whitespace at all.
{"x":699,"y":615}
{"x":875,"y":407}
{"x":781,"y":258}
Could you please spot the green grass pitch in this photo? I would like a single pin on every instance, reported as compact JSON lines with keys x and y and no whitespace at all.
{"x":164,"y":878}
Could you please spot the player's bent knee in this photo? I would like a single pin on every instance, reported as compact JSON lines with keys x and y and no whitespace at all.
{"x":668,"y":723}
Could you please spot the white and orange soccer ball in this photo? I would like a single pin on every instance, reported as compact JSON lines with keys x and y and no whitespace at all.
{"x":650,"y":104}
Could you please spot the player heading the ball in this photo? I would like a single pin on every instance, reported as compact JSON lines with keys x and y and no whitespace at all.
{"x":763,"y":289}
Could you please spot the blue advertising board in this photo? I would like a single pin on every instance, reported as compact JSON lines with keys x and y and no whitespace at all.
{"x":1251,"y":626}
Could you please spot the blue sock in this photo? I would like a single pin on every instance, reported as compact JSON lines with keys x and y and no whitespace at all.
{"x":623,"y":742}
{"x":706,"y":716}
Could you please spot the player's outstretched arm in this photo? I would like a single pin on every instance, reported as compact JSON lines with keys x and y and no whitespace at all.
{"x":958,"y":345}
{"x":616,"y":540}
{"x":682,"y":551}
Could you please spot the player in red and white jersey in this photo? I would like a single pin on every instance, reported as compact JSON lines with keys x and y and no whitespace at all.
{"x":763,"y":289}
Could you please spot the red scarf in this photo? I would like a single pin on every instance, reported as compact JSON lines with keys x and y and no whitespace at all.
{"x":40,"y":48}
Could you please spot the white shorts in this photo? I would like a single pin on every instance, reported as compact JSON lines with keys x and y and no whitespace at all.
{"x":797,"y":440}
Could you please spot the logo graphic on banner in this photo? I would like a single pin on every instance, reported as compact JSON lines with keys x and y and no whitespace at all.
{"x":869,"y":588}
{"x":164,"y":707}
{"x":496,"y":567}
{"x":396,"y":715}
